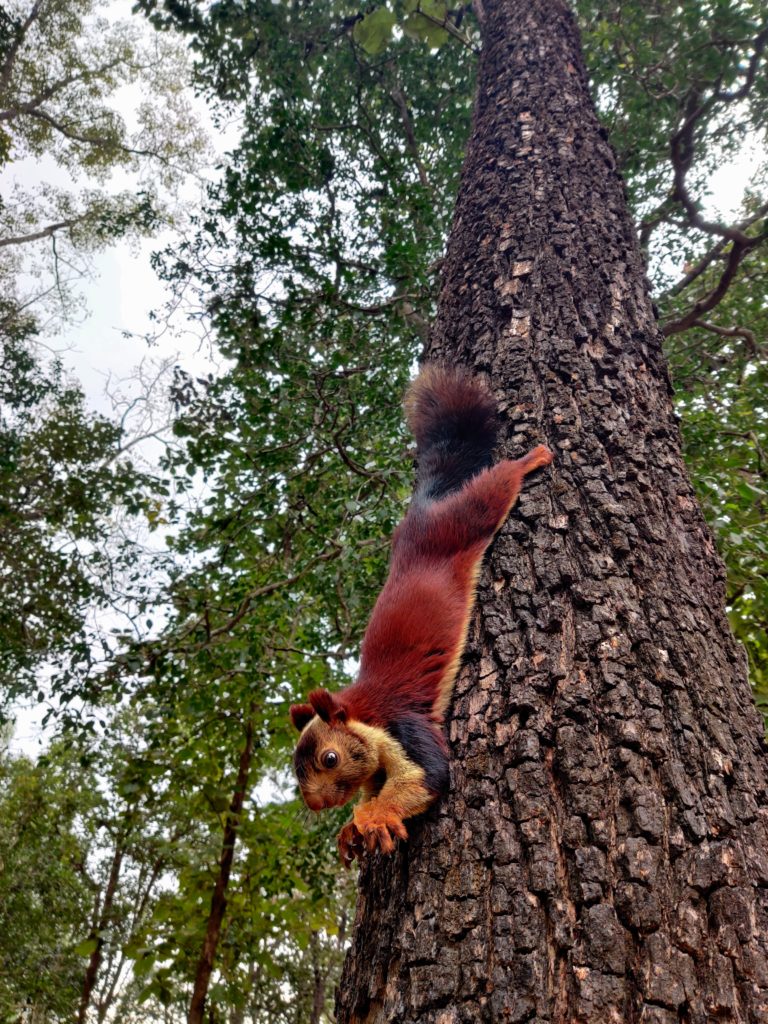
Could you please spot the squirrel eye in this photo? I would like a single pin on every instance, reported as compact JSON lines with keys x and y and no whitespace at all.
{"x":330,"y":759}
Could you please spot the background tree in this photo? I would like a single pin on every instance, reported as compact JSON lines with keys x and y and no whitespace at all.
{"x":66,"y":109}
{"x":69,"y":485}
{"x":61,"y":477}
{"x":45,"y":892}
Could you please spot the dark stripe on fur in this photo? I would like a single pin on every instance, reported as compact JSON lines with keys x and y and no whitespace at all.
{"x":423,"y":744}
{"x":304,"y":756}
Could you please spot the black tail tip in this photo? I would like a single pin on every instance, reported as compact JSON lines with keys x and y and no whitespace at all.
{"x":444,"y":398}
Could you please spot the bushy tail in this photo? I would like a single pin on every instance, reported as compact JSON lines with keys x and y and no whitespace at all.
{"x":455,"y":423}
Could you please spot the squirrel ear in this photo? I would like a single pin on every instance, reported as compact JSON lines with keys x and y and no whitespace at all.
{"x":325,"y":705}
{"x":301,"y":714}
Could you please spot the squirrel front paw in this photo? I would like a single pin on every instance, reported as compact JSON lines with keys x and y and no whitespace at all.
{"x":379,"y":827}
{"x":371,"y":828}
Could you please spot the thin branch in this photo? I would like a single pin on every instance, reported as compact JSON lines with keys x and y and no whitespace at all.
{"x":709,"y":301}
{"x":649,"y":224}
{"x":7,"y":67}
{"x":68,"y":133}
{"x":347,"y":459}
{"x":447,"y":24}
{"x":683,"y":142}
{"x":379,"y":307}
{"x":11,"y":113}
{"x":729,"y":332}
{"x":715,"y":252}
{"x":253,"y":595}
{"x":46,"y":232}
{"x":398,"y":97}
{"x":759,"y":45}
{"x":682,"y":147}
{"x":56,"y":268}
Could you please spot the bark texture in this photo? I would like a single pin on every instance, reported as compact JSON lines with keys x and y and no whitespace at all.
{"x":603,"y":853}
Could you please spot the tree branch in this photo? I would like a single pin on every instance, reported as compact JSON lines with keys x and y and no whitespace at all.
{"x":682,"y":146}
{"x":398,"y":97}
{"x":46,"y":232}
{"x":709,"y":301}
{"x":32,"y":105}
{"x":729,"y":332}
{"x":759,"y":45}
{"x":716,"y":251}
{"x":447,"y":24}
{"x":68,"y":133}
{"x":6,"y":69}
{"x":246,"y":603}
{"x":649,"y":224}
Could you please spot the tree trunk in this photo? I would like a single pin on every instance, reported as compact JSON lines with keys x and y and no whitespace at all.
{"x":219,"y":897}
{"x":103,"y":921}
{"x":319,"y":973}
{"x":603,"y":853}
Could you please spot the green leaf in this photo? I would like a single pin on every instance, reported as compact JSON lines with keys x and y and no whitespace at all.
{"x":374,"y":31}
{"x":424,"y":22}
{"x":86,"y":947}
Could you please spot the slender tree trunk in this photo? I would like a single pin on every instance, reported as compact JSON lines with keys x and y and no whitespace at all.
{"x":603,"y":853}
{"x":319,"y":976}
{"x":102,"y":923}
{"x":114,"y":974}
{"x":219,"y":898}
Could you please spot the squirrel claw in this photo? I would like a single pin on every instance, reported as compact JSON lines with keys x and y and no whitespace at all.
{"x":379,"y":837}
{"x":379,"y":830}
{"x":539,"y":456}
{"x":366,"y":833}
{"x":350,"y":843}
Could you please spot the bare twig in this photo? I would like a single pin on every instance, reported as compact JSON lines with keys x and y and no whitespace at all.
{"x":398,"y":97}
{"x":729,"y":332}
{"x":46,"y":232}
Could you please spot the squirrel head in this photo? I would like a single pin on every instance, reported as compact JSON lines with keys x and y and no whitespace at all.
{"x":331,"y":760}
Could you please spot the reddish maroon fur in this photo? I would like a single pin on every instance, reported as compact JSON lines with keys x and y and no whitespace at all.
{"x":417,"y":627}
{"x":415,"y":638}
{"x":418,"y":622}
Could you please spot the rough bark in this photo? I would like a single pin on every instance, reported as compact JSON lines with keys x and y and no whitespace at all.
{"x":603,"y":853}
{"x":219,"y":897}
